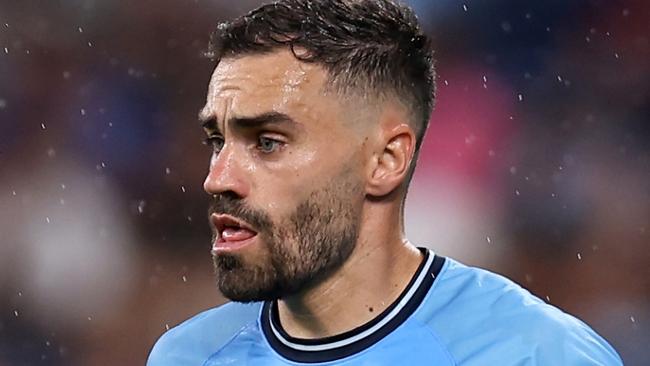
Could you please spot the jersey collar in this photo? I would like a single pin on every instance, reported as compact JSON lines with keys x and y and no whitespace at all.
{"x":354,"y":341}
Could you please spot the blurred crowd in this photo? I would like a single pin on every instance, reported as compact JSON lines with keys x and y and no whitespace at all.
{"x":536,"y":165}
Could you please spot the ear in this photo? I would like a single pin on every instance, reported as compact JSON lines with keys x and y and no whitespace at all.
{"x":392,"y":164}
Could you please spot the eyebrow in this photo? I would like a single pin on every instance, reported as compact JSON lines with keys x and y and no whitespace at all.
{"x":250,"y":121}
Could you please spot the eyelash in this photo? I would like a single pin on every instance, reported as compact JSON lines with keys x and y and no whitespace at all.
{"x":213,"y":140}
{"x":277,"y":144}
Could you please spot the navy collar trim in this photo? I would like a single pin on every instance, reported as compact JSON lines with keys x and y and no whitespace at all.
{"x":356,"y":340}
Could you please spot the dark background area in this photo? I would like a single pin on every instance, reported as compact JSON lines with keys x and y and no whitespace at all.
{"x":536,"y":165}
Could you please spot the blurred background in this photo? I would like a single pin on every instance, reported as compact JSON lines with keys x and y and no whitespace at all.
{"x":536,"y":165}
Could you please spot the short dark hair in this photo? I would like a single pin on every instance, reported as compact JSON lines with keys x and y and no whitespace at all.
{"x":371,"y":47}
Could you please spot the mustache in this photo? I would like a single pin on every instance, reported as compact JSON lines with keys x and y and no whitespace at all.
{"x":236,"y":207}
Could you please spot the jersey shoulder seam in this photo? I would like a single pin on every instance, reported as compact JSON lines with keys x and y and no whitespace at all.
{"x":227,"y":343}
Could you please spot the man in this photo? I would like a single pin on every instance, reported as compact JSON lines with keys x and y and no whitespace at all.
{"x":315,"y":113}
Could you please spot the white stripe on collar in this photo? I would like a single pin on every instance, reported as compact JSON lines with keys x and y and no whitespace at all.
{"x":344,"y":342}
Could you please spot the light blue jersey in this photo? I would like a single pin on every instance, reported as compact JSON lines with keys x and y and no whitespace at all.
{"x":449,"y":314}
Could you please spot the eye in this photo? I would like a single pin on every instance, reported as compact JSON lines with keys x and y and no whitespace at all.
{"x":216,"y":142}
{"x":268,"y":145}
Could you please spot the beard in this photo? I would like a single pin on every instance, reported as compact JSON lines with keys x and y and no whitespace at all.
{"x":298,"y":251}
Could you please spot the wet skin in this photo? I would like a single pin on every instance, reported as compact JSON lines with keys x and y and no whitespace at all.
{"x":281,"y":139}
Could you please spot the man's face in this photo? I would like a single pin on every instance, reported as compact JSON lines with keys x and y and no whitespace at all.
{"x":285,"y":176}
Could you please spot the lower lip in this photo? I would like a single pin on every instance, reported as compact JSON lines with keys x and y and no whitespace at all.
{"x":221,"y":246}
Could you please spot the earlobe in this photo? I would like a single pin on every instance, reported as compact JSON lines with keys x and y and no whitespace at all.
{"x":392,"y":164}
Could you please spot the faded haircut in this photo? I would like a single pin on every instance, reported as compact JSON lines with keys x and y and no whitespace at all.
{"x":371,"y":48}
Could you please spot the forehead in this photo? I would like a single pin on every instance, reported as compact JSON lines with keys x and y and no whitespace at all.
{"x":276,"y":81}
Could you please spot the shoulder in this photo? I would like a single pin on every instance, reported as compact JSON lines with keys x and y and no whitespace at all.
{"x":194,"y":340}
{"x":480,"y":314}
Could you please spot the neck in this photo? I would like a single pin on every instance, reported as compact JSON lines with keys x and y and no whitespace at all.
{"x":378,"y":270}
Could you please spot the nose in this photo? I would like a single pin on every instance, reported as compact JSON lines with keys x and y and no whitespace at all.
{"x":225,"y":174}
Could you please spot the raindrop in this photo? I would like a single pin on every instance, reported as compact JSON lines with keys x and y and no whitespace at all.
{"x":83,"y":112}
{"x":632,"y":319}
{"x":587,"y":39}
{"x":506,"y":27}
{"x":103,"y":164}
{"x":464,"y":7}
{"x":20,"y":293}
{"x":517,"y":192}
{"x":488,"y":239}
{"x":90,"y":44}
{"x":16,"y":313}
{"x":7,"y":25}
{"x":13,"y":193}
{"x":47,"y":343}
{"x":446,"y":83}
{"x":62,"y":202}
{"x":513,"y":170}
{"x":166,"y":326}
{"x":559,"y":78}
{"x":6,"y":50}
{"x":51,"y":152}
{"x":528,"y":16}
{"x":484,"y":79}
{"x":184,"y":279}
{"x":189,"y":218}
{"x":520,"y":97}
{"x":553,"y":195}
{"x":3,"y":103}
{"x":42,"y":126}
{"x":616,"y":55}
{"x":90,"y":318}
{"x":47,"y":219}
{"x":626,"y":12}
{"x":81,"y":30}
{"x":548,"y":298}
{"x":168,"y":171}
{"x":62,"y":186}
{"x":141,"y":206}
{"x":579,"y":256}
{"x":66,"y":74}
{"x":183,"y":189}
{"x":110,"y":124}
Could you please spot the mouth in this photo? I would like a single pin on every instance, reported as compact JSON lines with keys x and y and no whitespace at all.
{"x":232,"y":233}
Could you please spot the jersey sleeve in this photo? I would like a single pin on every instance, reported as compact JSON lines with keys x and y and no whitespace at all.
{"x":572,"y":343}
{"x":193,"y":341}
